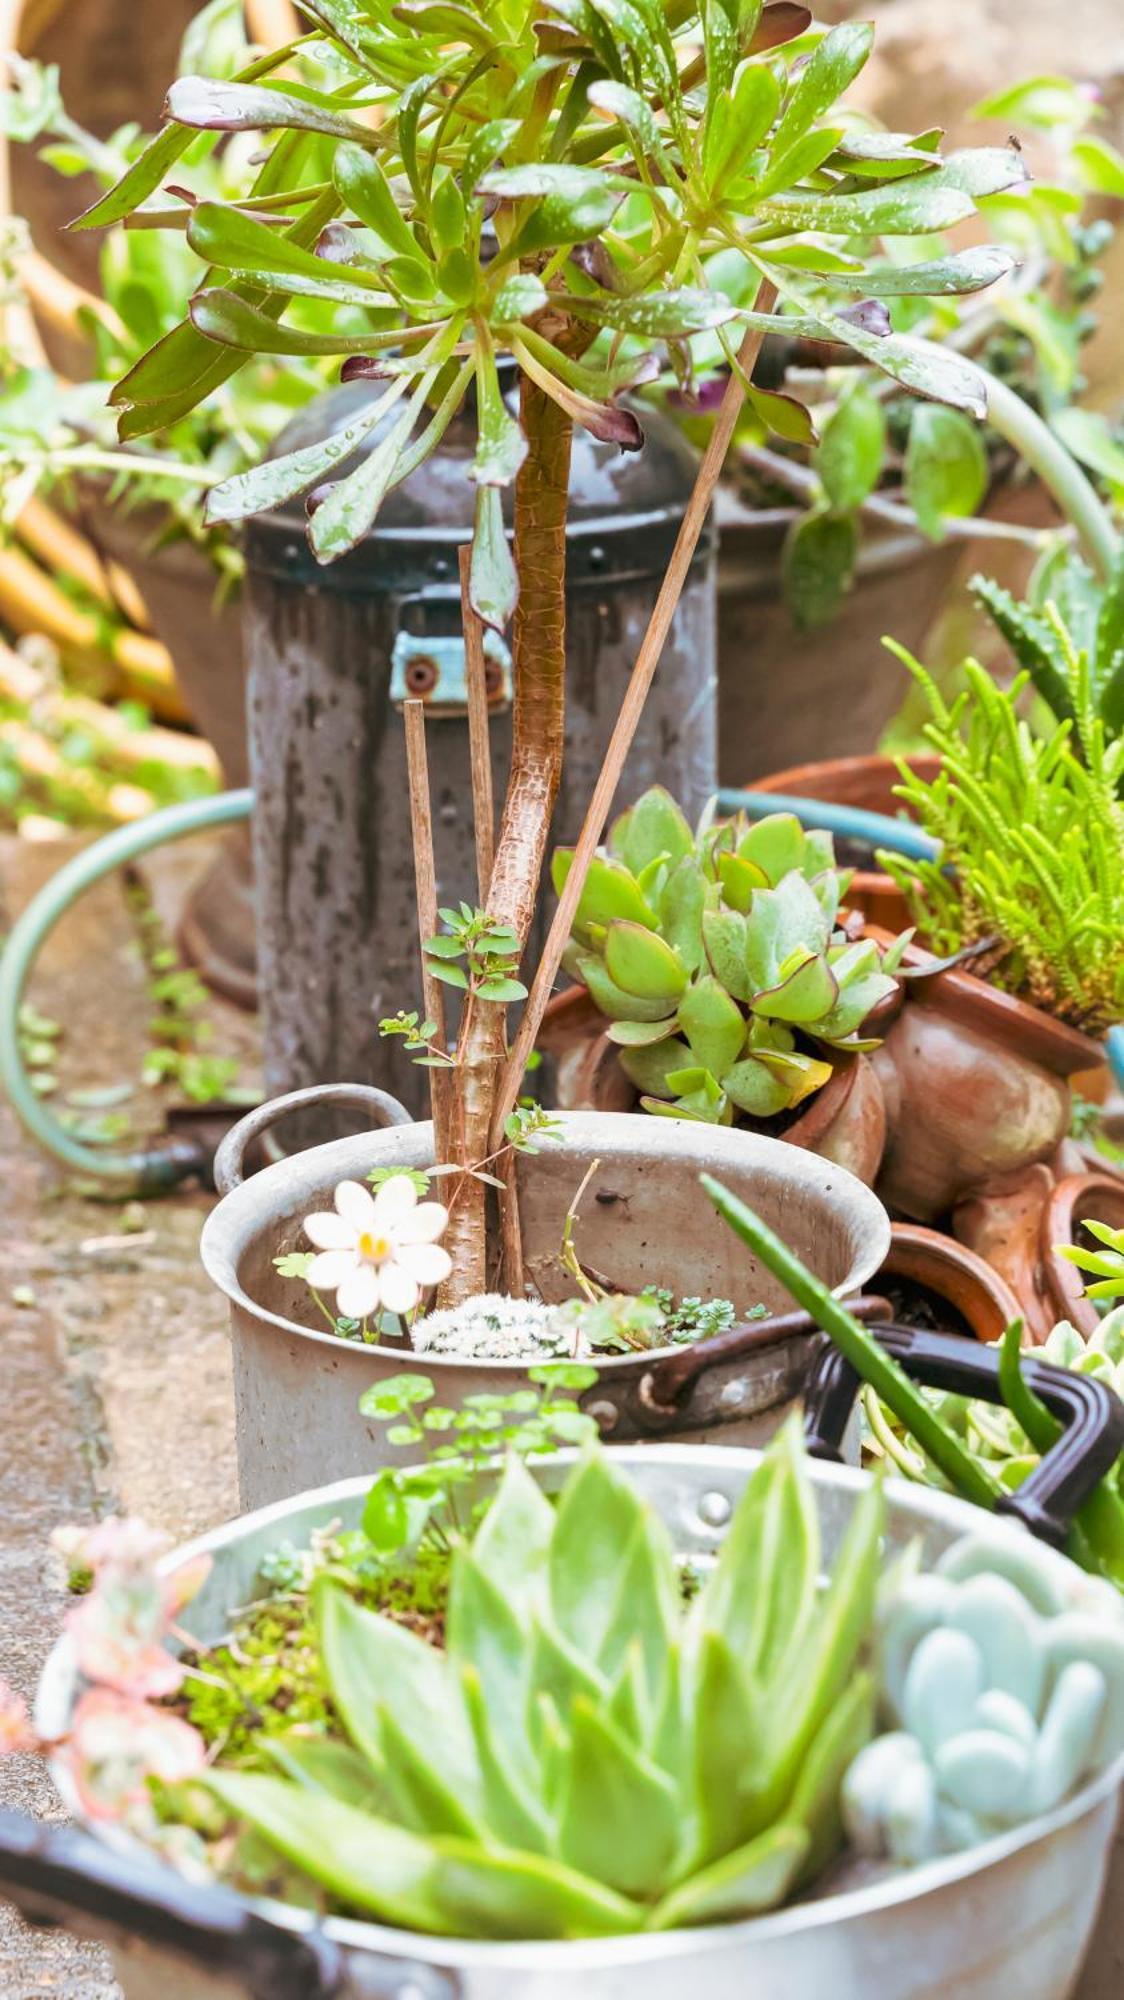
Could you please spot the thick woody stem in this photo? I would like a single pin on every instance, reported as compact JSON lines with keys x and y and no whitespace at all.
{"x":647,"y":660}
{"x":538,"y":728}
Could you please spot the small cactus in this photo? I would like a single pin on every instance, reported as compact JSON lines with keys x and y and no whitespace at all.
{"x":716,"y":958}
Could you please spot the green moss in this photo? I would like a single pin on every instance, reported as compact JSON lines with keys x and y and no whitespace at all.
{"x":267,"y":1677}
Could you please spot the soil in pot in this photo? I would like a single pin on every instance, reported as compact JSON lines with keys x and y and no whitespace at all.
{"x":937,"y":1284}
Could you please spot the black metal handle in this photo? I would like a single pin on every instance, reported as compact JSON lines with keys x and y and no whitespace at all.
{"x":382,"y":1107}
{"x":1046,"y":1502}
{"x":56,"y":1875}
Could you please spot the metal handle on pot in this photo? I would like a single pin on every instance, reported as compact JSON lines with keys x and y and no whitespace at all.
{"x":664,"y":1387}
{"x":1046,"y":1502}
{"x":382,"y":1107}
{"x":56,"y":1875}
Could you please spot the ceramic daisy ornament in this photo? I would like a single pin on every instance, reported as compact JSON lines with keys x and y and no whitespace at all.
{"x":377,"y":1252}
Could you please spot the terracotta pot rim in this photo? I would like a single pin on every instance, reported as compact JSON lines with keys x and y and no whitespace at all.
{"x":1060,"y":1217}
{"x":927,"y":1256}
{"x":973,"y":1002}
{"x":822,"y":769}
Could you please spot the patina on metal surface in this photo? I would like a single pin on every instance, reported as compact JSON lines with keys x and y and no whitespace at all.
{"x":1013,"y":1916}
{"x":331,"y":651}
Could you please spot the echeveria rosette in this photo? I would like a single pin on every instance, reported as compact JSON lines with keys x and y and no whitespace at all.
{"x":1004,"y":1693}
{"x":717,"y":958}
{"x":591,"y":1754}
{"x":552,"y":181}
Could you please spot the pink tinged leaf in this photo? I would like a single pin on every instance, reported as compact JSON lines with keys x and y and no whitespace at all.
{"x":872,"y":315}
{"x":364,"y":368}
{"x":606,"y":421}
{"x":184,"y":1583}
{"x":116,"y":1744}
{"x":16,"y":1733}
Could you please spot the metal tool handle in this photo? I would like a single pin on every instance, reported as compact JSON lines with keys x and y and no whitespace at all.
{"x":382,"y":1107}
{"x":667,"y":1383}
{"x":56,"y":1875}
{"x":1046,"y":1502}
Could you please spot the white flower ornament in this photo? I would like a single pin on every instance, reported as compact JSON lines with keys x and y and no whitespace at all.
{"x":377,"y":1251}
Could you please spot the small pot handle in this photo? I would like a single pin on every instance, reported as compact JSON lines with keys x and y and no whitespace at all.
{"x":57,"y":1875}
{"x":382,"y":1107}
{"x":666,"y":1384}
{"x":1045,"y":1503}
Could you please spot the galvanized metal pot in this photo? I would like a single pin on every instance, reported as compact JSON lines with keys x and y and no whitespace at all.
{"x":644,"y":1220}
{"x":1012,"y":1917}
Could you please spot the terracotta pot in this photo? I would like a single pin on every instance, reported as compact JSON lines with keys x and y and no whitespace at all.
{"x":976,"y":1085}
{"x":867,"y":783}
{"x":845,"y":1122}
{"x":932,"y":1279}
{"x":784,"y":693}
{"x":1076,"y":1199}
{"x":1004,"y":1225}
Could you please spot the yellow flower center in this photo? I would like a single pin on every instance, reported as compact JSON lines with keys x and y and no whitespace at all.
{"x":374,"y":1248}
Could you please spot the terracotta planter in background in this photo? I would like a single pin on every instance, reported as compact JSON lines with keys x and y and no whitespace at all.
{"x":785,"y":694}
{"x":867,"y":783}
{"x":932,"y":1279}
{"x":977,"y":1090}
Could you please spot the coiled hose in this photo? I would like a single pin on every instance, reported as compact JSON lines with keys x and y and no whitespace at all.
{"x":159,"y":1165}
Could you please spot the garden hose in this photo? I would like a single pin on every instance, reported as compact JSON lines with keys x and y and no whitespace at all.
{"x":161,"y":1164}
{"x":158,"y":1165}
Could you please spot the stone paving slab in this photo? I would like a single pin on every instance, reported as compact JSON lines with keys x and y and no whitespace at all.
{"x":116,"y":1377}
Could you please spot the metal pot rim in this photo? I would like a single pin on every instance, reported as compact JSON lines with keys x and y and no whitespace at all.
{"x":53,"y":1705}
{"x":612,"y":1134}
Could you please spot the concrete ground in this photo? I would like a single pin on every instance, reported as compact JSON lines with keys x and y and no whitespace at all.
{"x":115,"y":1384}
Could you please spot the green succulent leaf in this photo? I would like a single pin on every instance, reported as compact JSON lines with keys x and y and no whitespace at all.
{"x":649,"y":1067}
{"x":640,"y":962}
{"x":726,"y":936}
{"x":619,"y":1815}
{"x":851,"y":451}
{"x":753,"y":1878}
{"x":370,"y":1863}
{"x":818,"y":563}
{"x":493,"y":583}
{"x":360,"y":179}
{"x":713,"y":1024}
{"x":652,"y":828}
{"x":612,"y":1000}
{"x":609,"y":892}
{"x":755,"y":1089}
{"x":946,"y":470}
{"x":802,"y":995}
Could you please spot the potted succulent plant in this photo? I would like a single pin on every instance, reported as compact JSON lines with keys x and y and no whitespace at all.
{"x":591,"y":1798}
{"x":550,"y":187}
{"x":721,"y":962}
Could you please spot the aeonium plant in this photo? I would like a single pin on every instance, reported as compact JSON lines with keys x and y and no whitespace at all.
{"x":720,"y":960}
{"x":547,"y":182}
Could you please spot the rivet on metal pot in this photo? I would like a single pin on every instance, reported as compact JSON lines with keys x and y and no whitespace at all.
{"x":714,"y":1510}
{"x":606,"y":1416}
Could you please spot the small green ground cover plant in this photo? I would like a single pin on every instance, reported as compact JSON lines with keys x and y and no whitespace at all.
{"x":1031,"y":836}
